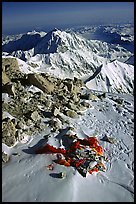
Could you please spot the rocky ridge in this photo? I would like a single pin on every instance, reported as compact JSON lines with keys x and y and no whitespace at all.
{"x":38,"y":101}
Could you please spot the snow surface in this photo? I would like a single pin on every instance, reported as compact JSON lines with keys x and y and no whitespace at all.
{"x":117,"y":74}
{"x":26,"y":177}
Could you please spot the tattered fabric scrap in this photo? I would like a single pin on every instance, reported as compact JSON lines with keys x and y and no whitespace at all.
{"x":86,"y":155}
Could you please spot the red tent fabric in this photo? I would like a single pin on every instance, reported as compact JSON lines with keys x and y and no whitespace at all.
{"x":72,"y":158}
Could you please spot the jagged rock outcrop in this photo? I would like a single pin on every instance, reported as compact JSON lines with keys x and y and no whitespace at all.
{"x":53,"y":99}
{"x":10,"y":67}
{"x":8,"y":132}
{"x":41,"y":82}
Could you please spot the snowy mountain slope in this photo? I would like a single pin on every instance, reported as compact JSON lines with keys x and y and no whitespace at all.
{"x":9,"y":38}
{"x":114,"y":76}
{"x":29,"y":179}
{"x":69,"y":55}
{"x":46,"y":44}
{"x":117,"y":34}
{"x":22,"y":42}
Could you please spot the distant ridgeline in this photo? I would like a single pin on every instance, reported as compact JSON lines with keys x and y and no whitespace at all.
{"x":66,"y":55}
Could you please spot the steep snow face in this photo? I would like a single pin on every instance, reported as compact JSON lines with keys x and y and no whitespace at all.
{"x":68,"y":55}
{"x":113,"y":77}
{"x":48,"y":44}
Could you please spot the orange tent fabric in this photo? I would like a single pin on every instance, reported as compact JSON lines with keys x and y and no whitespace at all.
{"x":70,"y":160}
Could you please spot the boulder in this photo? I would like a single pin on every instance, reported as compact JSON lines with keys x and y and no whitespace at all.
{"x":81,"y":108}
{"x":56,"y":124}
{"x":5,"y":78}
{"x":56,"y":111}
{"x":11,"y":68}
{"x":76,"y":89}
{"x":78,"y":82}
{"x":92,"y":97}
{"x":47,"y":103}
{"x":102,"y":96}
{"x":84,"y":103}
{"x":75,"y":98}
{"x":69,"y":84}
{"x":35,"y":116}
{"x":40,"y":125}
{"x":9,"y":88}
{"x":41,"y":82}
{"x":71,"y":113}
{"x":9,"y":63}
{"x":8,"y":133}
{"x":5,"y":157}
{"x":21,"y":125}
{"x":60,"y":86}
{"x":72,"y":106}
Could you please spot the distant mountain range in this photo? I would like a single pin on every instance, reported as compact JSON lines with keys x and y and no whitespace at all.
{"x":68,"y":55}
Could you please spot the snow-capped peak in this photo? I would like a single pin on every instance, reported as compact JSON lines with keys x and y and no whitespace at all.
{"x":68,"y":55}
{"x":49,"y":43}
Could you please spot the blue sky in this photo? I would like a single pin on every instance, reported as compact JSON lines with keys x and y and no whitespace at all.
{"x":26,"y":16}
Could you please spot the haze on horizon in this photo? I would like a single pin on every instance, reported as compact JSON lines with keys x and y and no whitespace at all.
{"x":20,"y":17}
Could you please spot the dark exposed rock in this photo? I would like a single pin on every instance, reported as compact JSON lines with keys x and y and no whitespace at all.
{"x":85,"y":104}
{"x":5,"y":78}
{"x":102,"y":96}
{"x":91,"y":96}
{"x":8,"y":88}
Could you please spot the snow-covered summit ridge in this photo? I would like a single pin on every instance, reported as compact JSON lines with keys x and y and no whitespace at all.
{"x":49,"y":43}
{"x":45,"y":43}
{"x":68,"y":55}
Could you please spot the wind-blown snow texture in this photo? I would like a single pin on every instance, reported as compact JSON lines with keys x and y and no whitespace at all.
{"x":102,"y":67}
{"x":26,"y":177}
